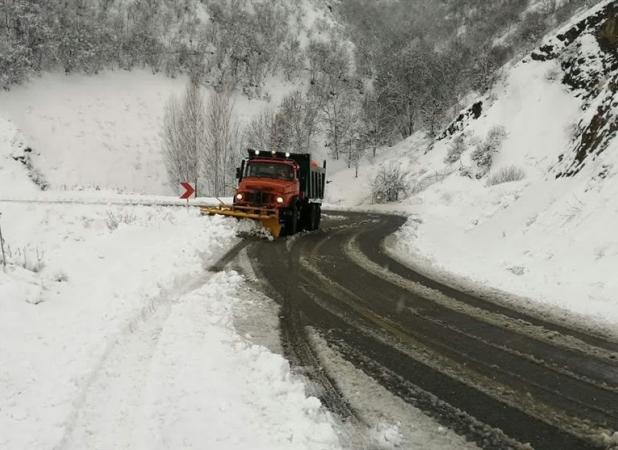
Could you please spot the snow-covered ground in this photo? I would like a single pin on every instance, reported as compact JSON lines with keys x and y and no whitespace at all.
{"x":104,"y":131}
{"x":549,"y":240}
{"x":113,"y":333}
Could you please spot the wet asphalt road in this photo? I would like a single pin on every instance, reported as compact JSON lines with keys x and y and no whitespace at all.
{"x":501,"y":377}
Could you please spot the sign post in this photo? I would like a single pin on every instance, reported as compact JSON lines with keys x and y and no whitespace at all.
{"x":189,"y":191}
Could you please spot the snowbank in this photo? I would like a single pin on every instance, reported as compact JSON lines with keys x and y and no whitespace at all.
{"x":77,"y":278}
{"x":100,"y":303}
{"x":211,"y":389}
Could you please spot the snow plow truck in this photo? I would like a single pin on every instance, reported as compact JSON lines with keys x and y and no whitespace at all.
{"x":283,"y":191}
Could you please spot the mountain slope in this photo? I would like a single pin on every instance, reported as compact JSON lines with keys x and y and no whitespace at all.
{"x":548,"y":236}
{"x":104,"y":131}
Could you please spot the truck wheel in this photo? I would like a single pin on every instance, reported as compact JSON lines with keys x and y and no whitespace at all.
{"x":291,"y":224}
{"x":318,"y":216}
{"x":313,"y":217}
{"x":305,"y":218}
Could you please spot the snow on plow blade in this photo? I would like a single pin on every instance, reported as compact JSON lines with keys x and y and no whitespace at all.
{"x":269,"y":218}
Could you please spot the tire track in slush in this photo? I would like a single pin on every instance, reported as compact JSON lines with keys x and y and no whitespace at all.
{"x":296,"y":344}
{"x":484,"y":367}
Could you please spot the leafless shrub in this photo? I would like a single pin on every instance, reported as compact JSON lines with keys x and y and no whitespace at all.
{"x":28,"y":257}
{"x":466,"y":171}
{"x":113,"y":220}
{"x":483,"y":154}
{"x":61,"y":277}
{"x":389,"y":184}
{"x":456,"y":149}
{"x":574,"y":208}
{"x":506,"y":175}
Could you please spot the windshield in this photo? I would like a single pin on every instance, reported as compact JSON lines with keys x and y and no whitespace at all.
{"x":269,"y":170}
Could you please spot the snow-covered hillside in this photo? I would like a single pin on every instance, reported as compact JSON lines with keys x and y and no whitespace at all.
{"x":94,"y":132}
{"x":104,"y":131}
{"x":550,"y":236}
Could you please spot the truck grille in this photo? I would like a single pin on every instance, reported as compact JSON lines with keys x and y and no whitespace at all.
{"x":258,"y":198}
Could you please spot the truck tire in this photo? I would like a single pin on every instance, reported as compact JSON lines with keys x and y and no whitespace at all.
{"x":305,"y":217}
{"x":312,"y":217}
{"x":318,"y":215}
{"x":315,"y":217}
{"x":292,"y":222}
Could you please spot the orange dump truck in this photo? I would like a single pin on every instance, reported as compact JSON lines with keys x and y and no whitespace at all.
{"x":283,"y":191}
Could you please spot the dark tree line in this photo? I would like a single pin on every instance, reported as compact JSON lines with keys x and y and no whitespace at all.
{"x":222,"y":42}
{"x":423,"y":57}
{"x":396,"y":66}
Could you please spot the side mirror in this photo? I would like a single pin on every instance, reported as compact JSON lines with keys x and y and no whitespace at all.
{"x":240,"y":171}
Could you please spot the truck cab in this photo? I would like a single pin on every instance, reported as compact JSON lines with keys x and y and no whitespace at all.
{"x":290,"y":184}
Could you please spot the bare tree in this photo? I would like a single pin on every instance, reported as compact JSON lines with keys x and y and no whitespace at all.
{"x":184,"y":136}
{"x":259,"y":132}
{"x":388,"y":184}
{"x":292,"y":128}
{"x":221,"y":150}
{"x":338,"y":116}
{"x":298,"y":116}
{"x":377,"y":121}
{"x":356,"y":146}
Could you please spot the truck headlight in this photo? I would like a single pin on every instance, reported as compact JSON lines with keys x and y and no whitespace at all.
{"x":279,"y":200}
{"x":239,"y":197}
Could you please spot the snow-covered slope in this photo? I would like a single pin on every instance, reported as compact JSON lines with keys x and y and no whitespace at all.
{"x":550,"y":236}
{"x":104,"y":131}
{"x":89,"y":132}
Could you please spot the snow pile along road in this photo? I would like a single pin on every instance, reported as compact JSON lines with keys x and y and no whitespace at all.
{"x":113,"y":333}
{"x":110,"y":329}
{"x":211,"y":389}
{"x":78,"y":279}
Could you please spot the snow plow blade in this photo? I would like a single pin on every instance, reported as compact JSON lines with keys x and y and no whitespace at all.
{"x":269,"y":218}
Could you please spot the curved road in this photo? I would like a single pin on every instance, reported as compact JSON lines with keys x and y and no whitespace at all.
{"x":501,"y":377}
